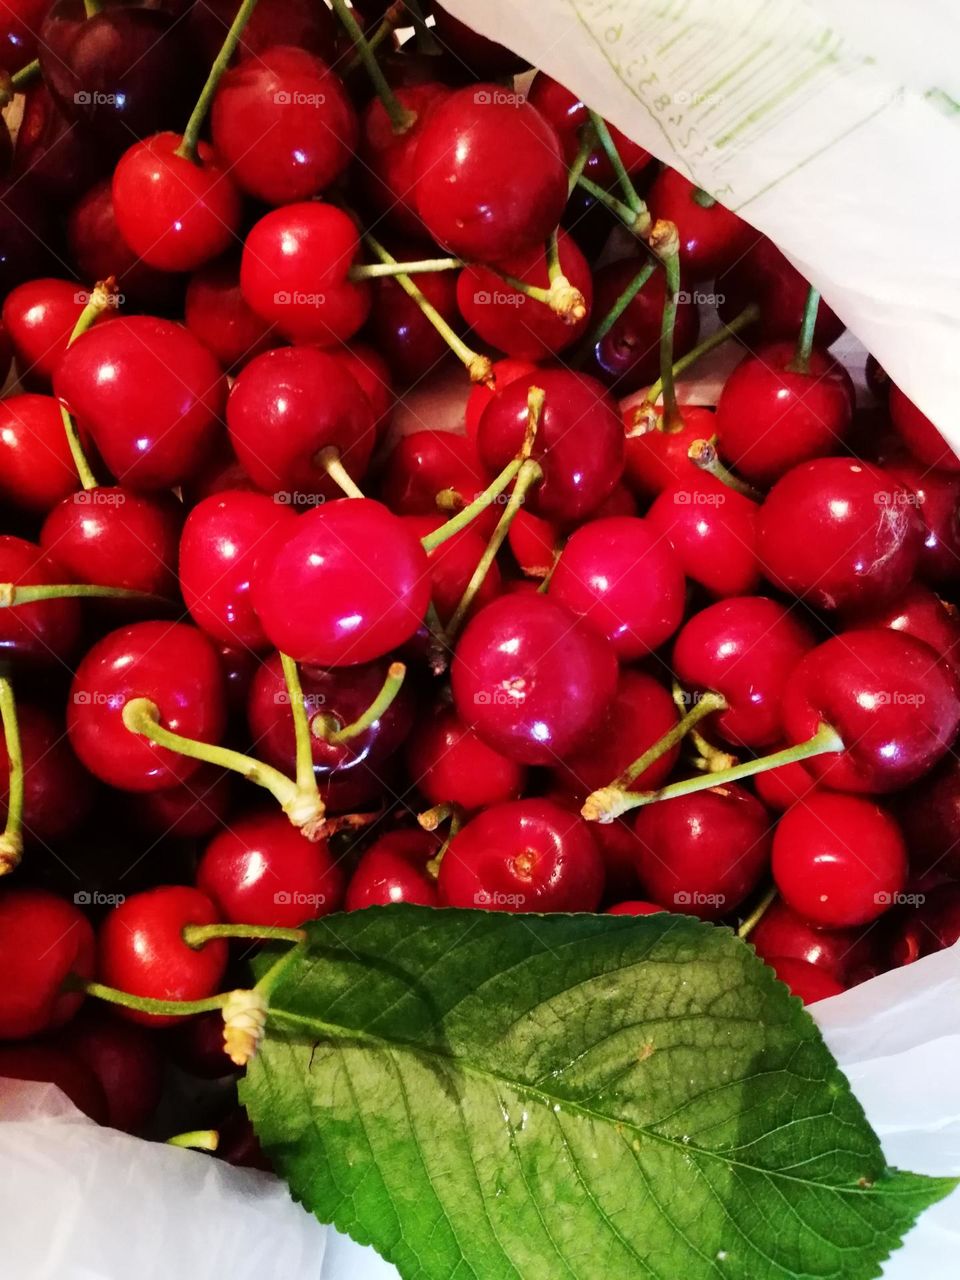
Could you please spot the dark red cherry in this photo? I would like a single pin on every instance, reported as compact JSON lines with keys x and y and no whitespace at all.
{"x":239,"y":667}
{"x":423,"y":465}
{"x":920,"y":613}
{"x":149,"y":394}
{"x":283,"y":125}
{"x":568,"y":114}
{"x":490,"y":174}
{"x":627,"y":357}
{"x":189,"y":810}
{"x":174,"y":213}
{"x":126,"y":1060}
{"x":929,"y":814}
{"x":39,"y":317}
{"x":532,"y":679}
{"x":350,"y":584}
{"x":894,"y":705}
{"x":933,"y":926}
{"x":293,"y":273}
{"x":712,"y":237}
{"x":623,"y":579}
{"x":838,"y":860}
{"x":113,"y":537}
{"x":43,"y":940}
{"x":659,"y":459}
{"x":394,"y":870}
{"x":840,"y":533}
{"x":703,"y":853}
{"x":846,"y":955}
{"x":504,"y":372}
{"x":196,"y":1046}
{"x":215,"y":313}
{"x":20,"y":22}
{"x":771,"y":417}
{"x":58,"y":158}
{"x":938,"y":508}
{"x":57,"y":793}
{"x":764,"y":276}
{"x":452,"y":566}
{"x":515,"y":323}
{"x":806,"y":981}
{"x":222,"y":537}
{"x":141,"y":949}
{"x":36,"y":466}
{"x":45,"y":632}
{"x":744,"y":648}
{"x":483,"y":56}
{"x":528,"y":855}
{"x":449,"y":763}
{"x":579,"y":442}
{"x":27,"y":234}
{"x":50,"y":1064}
{"x":273,"y":22}
{"x":400,"y":331}
{"x":641,"y":712}
{"x":387,"y":171}
{"x":174,"y":666}
{"x":262,"y":870}
{"x":713,"y":531}
{"x":919,"y":434}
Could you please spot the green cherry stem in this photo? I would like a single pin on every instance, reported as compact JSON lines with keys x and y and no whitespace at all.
{"x":330,"y":461}
{"x":703,"y":454}
{"x":306,"y":778}
{"x":11,"y":841}
{"x":479,"y":367}
{"x":638,"y":223}
{"x":801,"y":356}
{"x":195,"y":1140}
{"x":588,"y":140}
{"x":390,"y":20}
{"x":711,"y":758}
{"x":757,"y":914}
{"x":147,"y":1004}
{"x":473,"y":509}
{"x":665,"y":243}
{"x":456,"y":822}
{"x":325,"y":728}
{"x":196,"y":935}
{"x":431,"y":818}
{"x":17,"y":593}
{"x":91,"y":8}
{"x":564,"y":299}
{"x":717,"y":339}
{"x":102,"y":298}
{"x":20,"y":80}
{"x":614,"y":314}
{"x":377,"y":270}
{"x":191,"y":134}
{"x":613,"y":155}
{"x":399,"y":116}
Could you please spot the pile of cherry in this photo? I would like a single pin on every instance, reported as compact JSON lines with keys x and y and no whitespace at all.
{"x":263,"y":659}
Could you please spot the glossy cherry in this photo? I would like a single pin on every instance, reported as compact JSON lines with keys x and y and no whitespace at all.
{"x":262,"y":870}
{"x":491,"y":180}
{"x":149,"y":395}
{"x":933,"y":926}
{"x":425,"y":465}
{"x":770,"y":417}
{"x":39,"y":317}
{"x":43,"y":940}
{"x":217,"y":315}
{"x":659,"y":459}
{"x":400,"y":331}
{"x":173,"y":665}
{"x":449,"y":763}
{"x":36,"y":466}
{"x":534,"y":542}
{"x":894,"y":704}
{"x":45,"y":632}
{"x":703,"y":853}
{"x":532,"y":679}
{"x":938,"y":508}
{"x":920,"y":613}
{"x":763,"y":275}
{"x":838,"y":860}
{"x":568,"y":114}
{"x":846,"y":955}
{"x":919,"y":434}
{"x":713,"y":531}
{"x":141,"y":950}
{"x":55,"y":156}
{"x":579,"y":442}
{"x":126,"y":1060}
{"x":387,"y":170}
{"x":781,"y":787}
{"x":452,"y":566}
{"x":293,"y":273}
{"x":190,"y":810}
{"x":504,"y":372}
{"x":57,"y":793}
{"x":806,"y":981}
{"x":393,"y":869}
{"x":712,"y":237}
{"x":372,"y":374}
{"x":528,"y":855}
{"x":840,"y":533}
{"x":19,"y":31}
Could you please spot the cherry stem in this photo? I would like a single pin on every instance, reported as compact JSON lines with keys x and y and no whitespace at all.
{"x":302,"y":805}
{"x":103,"y":298}
{"x":615,"y":312}
{"x":147,"y":1004}
{"x":329,"y":460}
{"x":703,"y":454}
{"x":431,"y":819}
{"x":196,"y":935}
{"x":613,"y":155}
{"x":757,"y":914}
{"x":191,"y":134}
{"x":456,"y":822}
{"x":703,"y":198}
{"x":16,"y":593}
{"x":390,"y":20}
{"x":11,"y":842}
{"x":479,"y":367}
{"x":587,"y":142}
{"x":92,"y":7}
{"x":324,"y":727}
{"x":306,"y":778}
{"x":801,"y":356}
{"x":399,"y":116}
{"x":712,"y":758}
{"x":377,"y":270}
{"x":473,"y":509}
{"x":195,"y":1140}
{"x":563,"y":298}
{"x":638,"y":223}
{"x":10,"y":85}
{"x":438,"y":646}
{"x":665,"y":243}
{"x":611,"y":801}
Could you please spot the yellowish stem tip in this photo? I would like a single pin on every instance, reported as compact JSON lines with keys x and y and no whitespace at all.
{"x":480,"y":369}
{"x":566,"y":301}
{"x":244,"y":1020}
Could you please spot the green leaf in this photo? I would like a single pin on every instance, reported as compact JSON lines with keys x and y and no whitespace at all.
{"x":497,"y":1096}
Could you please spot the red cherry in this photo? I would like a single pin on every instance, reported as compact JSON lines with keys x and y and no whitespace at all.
{"x":57,"y":793}
{"x":196,"y":1046}
{"x":148,"y":393}
{"x":568,"y":114}
{"x":511,"y":321}
{"x":174,"y":213}
{"x":39,"y":317}
{"x":929,"y":814}
{"x":771,"y":417}
{"x":634,"y":907}
{"x":388,"y":170}
{"x":190,"y":810}
{"x":450,"y":764}
{"x":641,"y":713}
{"x":400,"y":331}
{"x":283,"y":125}
{"x":535,"y":543}
{"x":452,"y":565}
{"x":918,"y":612}
{"x":173,"y":665}
{"x":933,"y":926}
{"x":424,"y":464}
{"x":141,"y":950}
{"x":310,"y":243}
{"x":528,"y":855}
{"x":579,"y":442}
{"x":617,"y":842}
{"x":745,"y":649}
{"x":124,"y":1059}
{"x":712,"y":237}
{"x":46,"y":631}
{"x":703,"y":853}
{"x":894,"y":705}
{"x":47,"y":1064}
{"x":490,"y":174}
{"x":938,"y":508}
{"x":844,"y":954}
{"x":36,"y":466}
{"x":839,"y":532}
{"x":628,"y":356}
{"x":273,"y":22}
{"x":113,"y":537}
{"x":919,"y":434}
{"x":370,"y":371}
{"x":532,"y":679}
{"x":838,"y":860}
{"x":58,"y":158}
{"x":262,"y":870}
{"x":394,"y":870}
{"x":19,"y":28}
{"x":217,"y":315}
{"x":713,"y":531}
{"x":781,"y":787}
{"x":659,"y":459}
{"x":624,"y":580}
{"x":222,"y":538}
{"x":805,"y":980}
{"x":764,"y":276}
{"x":42,"y":941}
{"x":504,"y":372}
